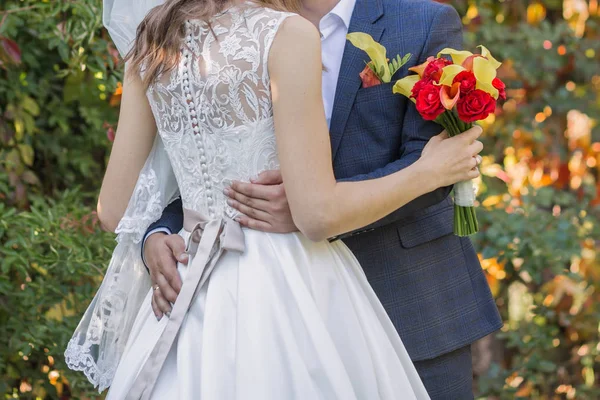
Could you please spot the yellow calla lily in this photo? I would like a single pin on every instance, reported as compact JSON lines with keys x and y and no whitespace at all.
{"x":487,"y":54}
{"x":376,"y":52}
{"x":405,"y":86}
{"x":449,"y":73}
{"x":488,"y":88}
{"x":458,"y":56}
{"x":485,"y":73}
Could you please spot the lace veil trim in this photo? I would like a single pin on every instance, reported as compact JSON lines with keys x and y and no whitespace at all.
{"x":98,"y":342}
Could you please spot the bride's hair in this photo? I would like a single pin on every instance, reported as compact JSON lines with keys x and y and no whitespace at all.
{"x":158,"y":38}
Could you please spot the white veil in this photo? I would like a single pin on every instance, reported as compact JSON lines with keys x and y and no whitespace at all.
{"x":99,"y":340}
{"x":122,"y":17}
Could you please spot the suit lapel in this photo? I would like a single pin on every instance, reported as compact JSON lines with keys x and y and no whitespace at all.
{"x":365,"y":19}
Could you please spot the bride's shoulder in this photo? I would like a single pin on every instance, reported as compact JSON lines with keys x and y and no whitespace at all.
{"x":296,"y":26}
{"x":262,"y":11}
{"x":297,"y":38}
{"x":287,"y":23}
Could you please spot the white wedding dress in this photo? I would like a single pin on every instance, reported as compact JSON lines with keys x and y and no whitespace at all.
{"x":261,"y":316}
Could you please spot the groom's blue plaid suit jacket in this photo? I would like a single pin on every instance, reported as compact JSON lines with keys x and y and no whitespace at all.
{"x":429,"y":281}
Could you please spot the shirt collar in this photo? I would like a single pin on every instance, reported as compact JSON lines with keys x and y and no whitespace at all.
{"x":344,"y":10}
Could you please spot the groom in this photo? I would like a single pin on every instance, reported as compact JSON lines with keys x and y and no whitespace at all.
{"x":429,"y":280}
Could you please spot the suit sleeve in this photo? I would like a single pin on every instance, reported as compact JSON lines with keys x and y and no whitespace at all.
{"x":445,"y":31}
{"x":171,"y":220}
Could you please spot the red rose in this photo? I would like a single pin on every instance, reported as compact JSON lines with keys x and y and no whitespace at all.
{"x":419,"y":86}
{"x":467,"y":80}
{"x":475,"y":106}
{"x":429,"y":104}
{"x":369,"y":78}
{"x":433,"y":71}
{"x":498,"y":84}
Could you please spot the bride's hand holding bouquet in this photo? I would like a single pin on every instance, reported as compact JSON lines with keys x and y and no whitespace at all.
{"x":446,"y":160}
{"x":455,"y":94}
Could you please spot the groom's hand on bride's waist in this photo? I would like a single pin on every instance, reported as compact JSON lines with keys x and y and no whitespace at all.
{"x":263,"y":203}
{"x":161,"y":254}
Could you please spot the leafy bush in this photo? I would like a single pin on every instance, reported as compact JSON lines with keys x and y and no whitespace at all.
{"x":56,"y":75}
{"x":58,"y":92}
{"x":51,"y":267}
{"x":540,"y":192}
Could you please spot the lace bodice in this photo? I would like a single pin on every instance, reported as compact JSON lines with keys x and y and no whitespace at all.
{"x":214,"y":110}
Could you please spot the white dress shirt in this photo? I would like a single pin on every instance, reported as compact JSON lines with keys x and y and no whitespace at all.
{"x":334,"y":28}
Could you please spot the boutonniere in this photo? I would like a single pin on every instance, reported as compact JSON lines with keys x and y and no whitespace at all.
{"x":380,"y":69}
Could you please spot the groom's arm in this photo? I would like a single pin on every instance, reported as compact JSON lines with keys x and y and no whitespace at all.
{"x":445,"y":31}
{"x":171,"y":221}
{"x":164,"y":251}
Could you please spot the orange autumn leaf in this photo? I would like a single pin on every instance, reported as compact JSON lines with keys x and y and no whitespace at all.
{"x":596,"y":200}
{"x":115,"y":99}
{"x":525,"y":391}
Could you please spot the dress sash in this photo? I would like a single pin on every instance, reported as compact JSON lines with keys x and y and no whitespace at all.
{"x":209,"y":239}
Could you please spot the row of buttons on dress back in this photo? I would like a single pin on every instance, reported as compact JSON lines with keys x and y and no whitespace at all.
{"x":187,"y":91}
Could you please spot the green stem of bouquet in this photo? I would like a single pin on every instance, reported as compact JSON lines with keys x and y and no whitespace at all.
{"x":465,"y":219}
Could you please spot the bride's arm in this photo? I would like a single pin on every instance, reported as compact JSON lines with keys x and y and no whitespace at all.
{"x":322,"y":207}
{"x":134,"y":139}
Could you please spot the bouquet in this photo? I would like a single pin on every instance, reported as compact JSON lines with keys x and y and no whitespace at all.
{"x":455,"y":94}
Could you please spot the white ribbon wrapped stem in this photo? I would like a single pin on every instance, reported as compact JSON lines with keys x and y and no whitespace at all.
{"x":465,"y":193}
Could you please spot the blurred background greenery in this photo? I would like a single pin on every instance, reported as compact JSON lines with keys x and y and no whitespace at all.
{"x":59,"y":98}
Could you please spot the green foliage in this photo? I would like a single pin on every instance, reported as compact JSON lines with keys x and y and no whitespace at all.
{"x":58,"y":74}
{"x":540,"y":190}
{"x":51,"y":266}
{"x":398,"y":63}
{"x":394,"y":66}
{"x":53,"y":97}
{"x":549,"y":305}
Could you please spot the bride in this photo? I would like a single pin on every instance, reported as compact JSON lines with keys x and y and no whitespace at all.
{"x":217,"y":91}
